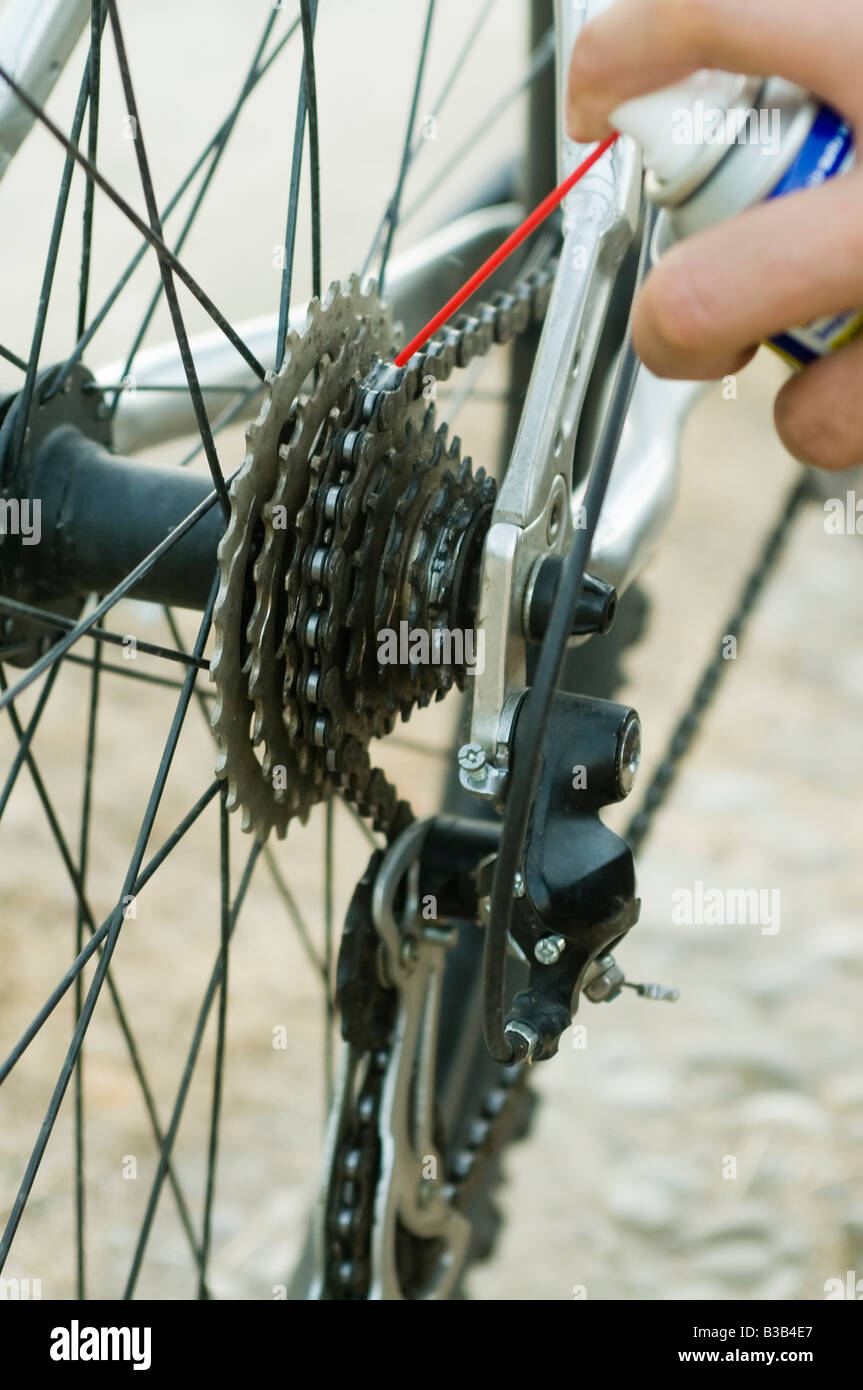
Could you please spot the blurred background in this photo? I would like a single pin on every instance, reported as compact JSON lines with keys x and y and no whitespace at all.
{"x":709,"y":1149}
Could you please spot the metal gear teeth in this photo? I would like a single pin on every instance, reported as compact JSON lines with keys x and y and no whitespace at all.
{"x":318,"y":714}
{"x":264,"y":807}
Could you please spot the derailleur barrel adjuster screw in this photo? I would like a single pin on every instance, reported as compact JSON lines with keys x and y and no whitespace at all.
{"x":665,"y":993}
{"x":604,"y":980}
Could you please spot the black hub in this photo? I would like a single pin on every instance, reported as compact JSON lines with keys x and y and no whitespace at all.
{"x":98,"y":515}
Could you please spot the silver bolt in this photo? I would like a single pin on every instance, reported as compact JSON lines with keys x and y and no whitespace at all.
{"x":518,"y":886}
{"x":409,"y":952}
{"x":523,"y":1040}
{"x":549,"y":949}
{"x":472,"y":760}
{"x":629,"y":756}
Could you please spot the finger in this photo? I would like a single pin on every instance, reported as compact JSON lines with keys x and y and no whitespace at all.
{"x":706,"y":366}
{"x":639,"y":45}
{"x":819,"y":413}
{"x":782,"y":263}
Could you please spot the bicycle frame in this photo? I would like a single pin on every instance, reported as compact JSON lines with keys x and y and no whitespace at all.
{"x":537,"y":508}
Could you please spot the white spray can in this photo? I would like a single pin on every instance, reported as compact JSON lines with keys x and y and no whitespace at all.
{"x":720,"y":142}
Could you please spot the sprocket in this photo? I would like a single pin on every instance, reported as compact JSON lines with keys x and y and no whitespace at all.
{"x":339,"y":342}
{"x":346,"y":519}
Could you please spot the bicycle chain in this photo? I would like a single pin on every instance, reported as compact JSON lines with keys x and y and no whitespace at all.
{"x":351,"y":1216}
{"x":367,"y":1019}
{"x":383,"y":430}
{"x":711,"y":677}
{"x":385,"y":397}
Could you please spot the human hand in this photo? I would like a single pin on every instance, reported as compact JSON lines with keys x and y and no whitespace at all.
{"x":718,"y":294}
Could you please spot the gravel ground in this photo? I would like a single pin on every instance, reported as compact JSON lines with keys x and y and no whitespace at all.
{"x":707,"y":1149}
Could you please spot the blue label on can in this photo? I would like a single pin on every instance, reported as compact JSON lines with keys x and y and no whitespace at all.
{"x":828,"y":151}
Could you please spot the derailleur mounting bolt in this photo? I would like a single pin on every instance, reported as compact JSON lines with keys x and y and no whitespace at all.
{"x":549,"y":949}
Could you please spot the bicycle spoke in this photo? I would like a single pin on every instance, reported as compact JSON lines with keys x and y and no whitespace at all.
{"x":170,"y":289}
{"x":86,"y":916}
{"x":295,"y":915}
{"x":200,"y":195}
{"x":97,"y":21}
{"x":117,"y":639}
{"x":27,"y":736}
{"x":540,"y":59}
{"x":101,"y":932}
{"x":394,"y":209}
{"x":188,"y":1072}
{"x":108,"y":668}
{"x":78,"y":1003}
{"x":309,"y":12}
{"x":13,"y":358}
{"x":457,"y":67}
{"x":219,"y":1062}
{"x":110,"y":943}
{"x":26,"y":396}
{"x":164,"y":253}
{"x":284,"y":891}
{"x":308,"y":20}
{"x":367,"y":832}
{"x":434,"y":113}
{"x":212,"y":146}
{"x":228,"y":416}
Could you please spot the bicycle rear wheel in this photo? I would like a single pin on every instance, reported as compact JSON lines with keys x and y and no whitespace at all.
{"x":123,"y":1199}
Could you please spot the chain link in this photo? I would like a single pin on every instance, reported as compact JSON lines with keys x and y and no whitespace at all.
{"x":383,"y":403}
{"x":711,"y":678}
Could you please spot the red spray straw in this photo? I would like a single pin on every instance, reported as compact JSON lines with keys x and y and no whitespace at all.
{"x":498,"y":257}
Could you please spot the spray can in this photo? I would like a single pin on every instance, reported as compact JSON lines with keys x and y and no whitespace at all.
{"x":719,"y":143}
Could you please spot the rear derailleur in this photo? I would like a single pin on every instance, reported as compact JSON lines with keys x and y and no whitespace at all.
{"x":392,"y":1221}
